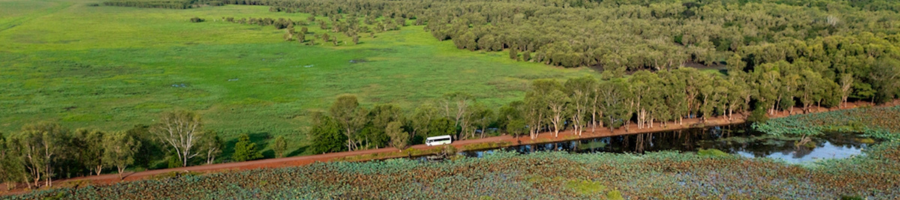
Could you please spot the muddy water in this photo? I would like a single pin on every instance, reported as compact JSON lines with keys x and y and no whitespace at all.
{"x":736,"y":139}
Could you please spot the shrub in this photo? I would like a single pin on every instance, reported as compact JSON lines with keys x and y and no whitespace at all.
{"x":197,"y":20}
{"x":758,"y":116}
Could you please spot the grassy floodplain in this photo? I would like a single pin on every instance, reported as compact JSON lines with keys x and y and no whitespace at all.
{"x":110,"y":68}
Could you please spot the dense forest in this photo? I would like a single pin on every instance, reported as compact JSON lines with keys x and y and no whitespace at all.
{"x":849,"y":43}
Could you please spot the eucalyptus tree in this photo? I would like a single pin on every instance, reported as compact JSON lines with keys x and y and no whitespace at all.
{"x":767,"y":83}
{"x":119,"y":150}
{"x":422,"y":118}
{"x":554,"y":102}
{"x":536,"y":107}
{"x":454,"y":106}
{"x":211,"y":145}
{"x":182,"y":131}
{"x":379,"y":117}
{"x":39,"y":145}
{"x":12,"y":166}
{"x":351,"y":117}
{"x":616,"y":104}
{"x":643,"y":84}
{"x":399,"y":138}
{"x":811,"y":87}
{"x":88,"y":143}
{"x":580,"y":91}
{"x":676,"y":102}
{"x":481,"y":117}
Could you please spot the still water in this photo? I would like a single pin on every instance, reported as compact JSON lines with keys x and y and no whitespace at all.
{"x":735,"y":139}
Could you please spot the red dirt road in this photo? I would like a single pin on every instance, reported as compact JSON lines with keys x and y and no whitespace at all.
{"x":542,"y":138}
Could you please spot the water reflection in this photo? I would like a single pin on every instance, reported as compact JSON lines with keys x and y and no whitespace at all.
{"x":735,"y":139}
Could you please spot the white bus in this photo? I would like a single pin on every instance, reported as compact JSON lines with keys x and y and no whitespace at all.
{"x":438,"y":140}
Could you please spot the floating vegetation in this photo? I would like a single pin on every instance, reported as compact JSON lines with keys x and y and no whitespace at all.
{"x":542,"y":175}
{"x":882,"y":123}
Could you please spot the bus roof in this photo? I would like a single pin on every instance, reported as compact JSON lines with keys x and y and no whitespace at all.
{"x":438,"y":137}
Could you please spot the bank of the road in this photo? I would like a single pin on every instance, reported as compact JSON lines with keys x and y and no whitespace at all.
{"x":542,"y":138}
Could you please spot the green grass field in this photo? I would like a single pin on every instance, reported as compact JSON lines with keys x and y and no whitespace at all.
{"x":110,"y":68}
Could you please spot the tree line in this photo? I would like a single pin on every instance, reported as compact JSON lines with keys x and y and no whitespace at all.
{"x":44,"y":151}
{"x":167,"y":4}
{"x":645,"y":99}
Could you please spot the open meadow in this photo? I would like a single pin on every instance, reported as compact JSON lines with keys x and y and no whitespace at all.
{"x":111,"y":68}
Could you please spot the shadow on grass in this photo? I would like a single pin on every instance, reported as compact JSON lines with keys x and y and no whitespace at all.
{"x":260,"y":139}
{"x":297,"y":152}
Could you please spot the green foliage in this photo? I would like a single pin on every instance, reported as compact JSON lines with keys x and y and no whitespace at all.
{"x":879,"y":123}
{"x":327,"y":136}
{"x":441,"y":126}
{"x":90,"y":147}
{"x":279,"y":146}
{"x":245,"y":150}
{"x":172,"y":161}
{"x":712,"y":153}
{"x":119,"y":149}
{"x":211,"y":145}
{"x":399,"y":138}
{"x":614,"y":195}
{"x":169,"y":4}
{"x":758,"y":115}
{"x":585,"y":187}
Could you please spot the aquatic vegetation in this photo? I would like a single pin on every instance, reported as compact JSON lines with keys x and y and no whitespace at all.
{"x":542,"y":175}
{"x":882,"y":123}
{"x":712,"y":153}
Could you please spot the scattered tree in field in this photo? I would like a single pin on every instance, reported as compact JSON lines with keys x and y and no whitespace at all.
{"x":245,"y":150}
{"x":399,"y":137}
{"x":182,"y":131}
{"x":288,"y":36}
{"x":119,"y":149}
{"x":279,"y":147}
{"x":301,"y":37}
{"x":513,"y":54}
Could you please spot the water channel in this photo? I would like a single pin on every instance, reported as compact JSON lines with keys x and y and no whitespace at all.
{"x":734,"y":139}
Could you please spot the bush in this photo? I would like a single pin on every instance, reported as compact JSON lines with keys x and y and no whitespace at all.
{"x":245,"y":150}
{"x":758,"y":116}
{"x":197,"y":20}
{"x":93,"y":4}
{"x":712,"y":153}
